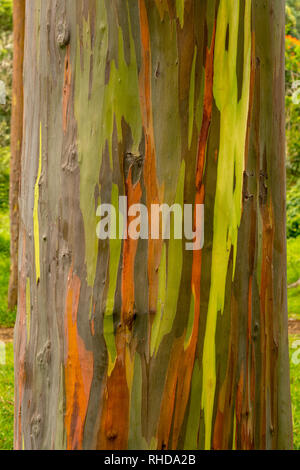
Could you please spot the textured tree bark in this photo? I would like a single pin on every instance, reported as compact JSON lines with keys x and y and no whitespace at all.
{"x":16,"y":146}
{"x":126,"y":344}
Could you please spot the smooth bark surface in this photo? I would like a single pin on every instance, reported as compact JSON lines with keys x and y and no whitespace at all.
{"x":141,"y":344}
{"x":16,"y":146}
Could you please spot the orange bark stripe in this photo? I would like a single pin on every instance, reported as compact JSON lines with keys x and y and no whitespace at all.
{"x":182,"y":373}
{"x":134,"y":194}
{"x":113,"y":433}
{"x":67,"y":88}
{"x":207,"y":109}
{"x":266,"y":316}
{"x":187,"y":364}
{"x":78,"y":369}
{"x":152,"y":193}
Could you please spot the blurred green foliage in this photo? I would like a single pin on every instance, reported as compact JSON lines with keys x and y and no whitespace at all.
{"x":7,"y":400}
{"x":6,"y":15}
{"x":7,"y":318}
{"x":293,"y":18}
{"x":4,"y":178}
{"x":6,"y":51}
{"x":295,"y":389}
{"x":293,"y":274}
{"x":292,"y":76}
{"x":293,"y":210}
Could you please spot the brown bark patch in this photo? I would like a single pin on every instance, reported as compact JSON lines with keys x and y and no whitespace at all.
{"x":294,"y":327}
{"x":7,"y":335}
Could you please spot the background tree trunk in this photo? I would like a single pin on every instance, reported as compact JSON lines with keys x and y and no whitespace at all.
{"x":16,"y":146}
{"x":142,"y":344}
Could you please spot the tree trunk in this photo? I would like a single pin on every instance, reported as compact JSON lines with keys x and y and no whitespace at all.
{"x":141,"y":344}
{"x":16,"y":146}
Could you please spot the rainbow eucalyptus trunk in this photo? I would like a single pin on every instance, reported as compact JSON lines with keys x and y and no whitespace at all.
{"x":142,"y":344}
{"x":16,"y":146}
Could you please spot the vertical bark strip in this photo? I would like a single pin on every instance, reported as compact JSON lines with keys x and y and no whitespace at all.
{"x":78,"y":369}
{"x":233,"y":121}
{"x":118,"y":387}
{"x":16,"y":146}
{"x":183,"y":357}
{"x":150,"y":175}
{"x":141,"y":344}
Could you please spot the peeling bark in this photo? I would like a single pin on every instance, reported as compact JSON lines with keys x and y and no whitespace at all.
{"x":140,"y":344}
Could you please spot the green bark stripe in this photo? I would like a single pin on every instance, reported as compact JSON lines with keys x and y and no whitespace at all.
{"x":180,"y":11}
{"x":192,"y":99}
{"x":193,"y":422}
{"x":173,"y":278}
{"x":161,"y":299}
{"x":90,"y":140}
{"x":115,"y":246}
{"x":136,"y":440}
{"x":122,"y":98}
{"x":228,"y":200}
{"x":111,"y":102}
{"x":190,"y":324}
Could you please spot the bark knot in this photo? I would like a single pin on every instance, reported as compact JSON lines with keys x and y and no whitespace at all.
{"x":44,"y":356}
{"x":62,"y":34}
{"x":111,"y":435}
{"x":134,"y":163}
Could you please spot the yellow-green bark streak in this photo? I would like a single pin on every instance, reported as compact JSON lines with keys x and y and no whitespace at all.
{"x":169,"y":292}
{"x":115,"y":246}
{"x":192,"y":99}
{"x":180,"y":11}
{"x":228,"y":200}
{"x":89,"y":101}
{"x":192,"y":428}
{"x":122,"y":98}
{"x":36,"y":228}
{"x":111,"y":102}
